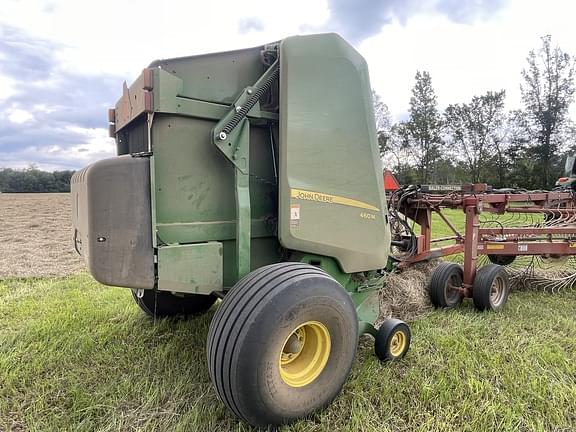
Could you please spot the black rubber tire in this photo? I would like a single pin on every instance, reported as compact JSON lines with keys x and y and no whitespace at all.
{"x":249,"y":330}
{"x":440,"y":293}
{"x":482,"y":293}
{"x":502,"y":260}
{"x":383,"y":346}
{"x":164,"y":304}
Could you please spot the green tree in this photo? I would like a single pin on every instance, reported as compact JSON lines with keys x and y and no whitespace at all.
{"x":424,"y":126}
{"x":547,"y":92}
{"x":32,"y":179}
{"x":383,"y":123}
{"x":474,"y":128}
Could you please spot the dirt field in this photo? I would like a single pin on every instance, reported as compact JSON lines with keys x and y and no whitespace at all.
{"x":35,"y":236}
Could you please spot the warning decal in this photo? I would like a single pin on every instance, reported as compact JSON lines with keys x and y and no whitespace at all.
{"x":295,"y":212}
{"x":295,"y":215}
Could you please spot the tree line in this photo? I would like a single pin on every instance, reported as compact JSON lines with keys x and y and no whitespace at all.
{"x":478,"y":140}
{"x":34,"y":180}
{"x":474,"y":141}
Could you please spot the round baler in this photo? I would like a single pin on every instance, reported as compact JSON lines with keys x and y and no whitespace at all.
{"x":252,"y":176}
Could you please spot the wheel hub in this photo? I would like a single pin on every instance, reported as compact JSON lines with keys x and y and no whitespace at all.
{"x":304,"y":354}
{"x":293,"y":346}
{"x":398,"y":343}
{"x":497,"y":291}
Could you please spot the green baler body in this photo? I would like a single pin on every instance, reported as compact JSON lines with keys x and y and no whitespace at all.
{"x":303,"y":167}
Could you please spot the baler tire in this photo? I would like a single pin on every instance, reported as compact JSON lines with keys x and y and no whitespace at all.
{"x":164,"y":304}
{"x":502,"y":260}
{"x":440,"y":293}
{"x":247,"y":353}
{"x":491,"y":287}
{"x":392,"y":340}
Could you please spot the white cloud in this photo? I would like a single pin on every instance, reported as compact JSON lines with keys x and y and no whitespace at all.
{"x":109,"y":36}
{"x":19,"y":116}
{"x":92,"y":145}
{"x":6,"y":88}
{"x":121,"y":38}
{"x":95,"y":145}
{"x":464,"y":60}
{"x":43,"y":108}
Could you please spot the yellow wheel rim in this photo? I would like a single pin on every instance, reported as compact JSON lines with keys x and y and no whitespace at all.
{"x":398,"y":343}
{"x":304,"y":354}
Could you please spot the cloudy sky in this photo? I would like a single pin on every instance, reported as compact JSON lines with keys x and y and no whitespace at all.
{"x":62,"y":62}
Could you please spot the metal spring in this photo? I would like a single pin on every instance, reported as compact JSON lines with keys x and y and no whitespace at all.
{"x":241,"y":113}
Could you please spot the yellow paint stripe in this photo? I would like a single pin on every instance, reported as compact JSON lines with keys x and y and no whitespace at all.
{"x":494,"y":246}
{"x":330,"y":199}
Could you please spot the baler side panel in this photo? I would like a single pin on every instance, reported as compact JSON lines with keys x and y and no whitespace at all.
{"x":332,"y":199}
{"x":193,"y":182}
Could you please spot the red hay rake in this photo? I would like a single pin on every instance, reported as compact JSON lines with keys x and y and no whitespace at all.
{"x":527,"y":238}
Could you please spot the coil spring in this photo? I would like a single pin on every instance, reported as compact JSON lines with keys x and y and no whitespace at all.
{"x":256,"y":96}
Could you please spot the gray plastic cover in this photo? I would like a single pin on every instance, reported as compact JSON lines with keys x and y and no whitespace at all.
{"x":112,"y":221}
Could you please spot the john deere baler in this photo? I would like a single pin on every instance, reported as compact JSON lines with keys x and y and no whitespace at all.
{"x":253,"y":176}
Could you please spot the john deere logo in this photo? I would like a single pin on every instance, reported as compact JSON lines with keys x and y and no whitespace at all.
{"x":330,"y":199}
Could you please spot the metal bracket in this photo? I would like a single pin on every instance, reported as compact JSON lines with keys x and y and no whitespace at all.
{"x":243,"y":211}
{"x":232,"y":137}
{"x":365,"y":327}
{"x":227,"y":135}
{"x":372,"y":283}
{"x":231,"y":144}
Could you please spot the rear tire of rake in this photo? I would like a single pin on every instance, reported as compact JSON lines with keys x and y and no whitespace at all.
{"x":502,"y":260}
{"x":164,"y":304}
{"x":282,"y":343}
{"x":491,"y":288}
{"x":445,"y":278}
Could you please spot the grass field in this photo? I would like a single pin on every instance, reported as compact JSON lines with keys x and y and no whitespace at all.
{"x":76,"y":356}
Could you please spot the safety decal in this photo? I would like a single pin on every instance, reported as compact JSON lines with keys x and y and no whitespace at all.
{"x":294,"y":215}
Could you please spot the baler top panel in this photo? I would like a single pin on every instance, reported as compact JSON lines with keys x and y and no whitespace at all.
{"x":217,"y":77}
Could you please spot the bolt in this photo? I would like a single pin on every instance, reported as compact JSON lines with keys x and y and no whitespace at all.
{"x":222,"y":135}
{"x":249,"y":91}
{"x":238,"y":108}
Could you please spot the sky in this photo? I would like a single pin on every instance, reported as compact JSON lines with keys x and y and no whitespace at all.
{"x":63,"y":62}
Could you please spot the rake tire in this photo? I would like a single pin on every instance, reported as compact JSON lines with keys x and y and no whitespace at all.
{"x":445,"y":275}
{"x":491,"y":288}
{"x":502,"y":260}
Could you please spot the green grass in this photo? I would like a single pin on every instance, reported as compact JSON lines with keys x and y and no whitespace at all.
{"x":440,"y":229}
{"x":76,"y":356}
